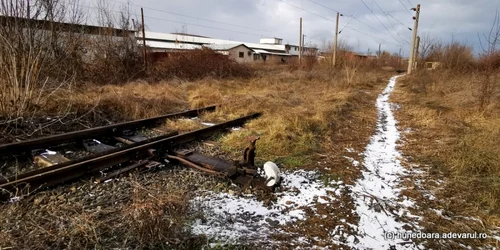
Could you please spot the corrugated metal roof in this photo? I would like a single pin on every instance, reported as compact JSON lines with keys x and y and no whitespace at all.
{"x":221,"y":46}
{"x":171,"y":45}
{"x":261,"y":51}
{"x":202,"y":40}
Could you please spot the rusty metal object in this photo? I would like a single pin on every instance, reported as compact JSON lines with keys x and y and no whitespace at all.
{"x":47,"y":158}
{"x":195,"y":166}
{"x":249,"y":152}
{"x":40,"y":178}
{"x":207,"y":162}
{"x":243,"y":174}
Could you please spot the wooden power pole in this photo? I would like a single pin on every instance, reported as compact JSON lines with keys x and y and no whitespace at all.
{"x":336,"y":40}
{"x":413,"y":40}
{"x":300,"y":42}
{"x":145,"y":54}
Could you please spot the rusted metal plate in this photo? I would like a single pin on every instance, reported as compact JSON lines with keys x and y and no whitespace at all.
{"x":183,"y":152}
{"x":95,"y":146}
{"x":47,"y":158}
{"x":208,"y":162}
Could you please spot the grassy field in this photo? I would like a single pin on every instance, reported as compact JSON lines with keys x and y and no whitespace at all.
{"x":309,"y":116}
{"x":454,"y":117}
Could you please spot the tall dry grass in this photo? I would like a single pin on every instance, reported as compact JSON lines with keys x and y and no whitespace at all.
{"x":459,"y":112}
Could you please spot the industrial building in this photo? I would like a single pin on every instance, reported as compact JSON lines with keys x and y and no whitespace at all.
{"x":268,"y":49}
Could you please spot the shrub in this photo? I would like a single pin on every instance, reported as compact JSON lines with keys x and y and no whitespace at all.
{"x":198,"y":64}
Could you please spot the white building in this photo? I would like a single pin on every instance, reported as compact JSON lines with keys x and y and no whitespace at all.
{"x":267,"y":49}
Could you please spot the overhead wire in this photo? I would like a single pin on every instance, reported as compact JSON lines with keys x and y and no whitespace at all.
{"x":398,"y":21}
{"x":404,"y":6}
{"x":324,"y":6}
{"x":378,"y":19}
{"x":386,"y":16}
{"x":353,"y":18}
{"x":192,"y":24}
{"x":193,"y":17}
{"x":300,"y":8}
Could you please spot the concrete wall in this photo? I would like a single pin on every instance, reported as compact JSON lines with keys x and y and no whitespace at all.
{"x":234,"y":53}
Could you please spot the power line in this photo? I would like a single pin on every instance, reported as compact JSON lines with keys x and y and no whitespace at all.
{"x":367,"y":25}
{"x":376,"y":38}
{"x":353,"y":17}
{"x":188,"y":16}
{"x":389,"y":22}
{"x":192,"y":24}
{"x":300,"y":8}
{"x":404,"y":6}
{"x":204,"y":26}
{"x":378,"y":19}
{"x":399,"y":21}
{"x":410,"y":2}
{"x":324,"y":6}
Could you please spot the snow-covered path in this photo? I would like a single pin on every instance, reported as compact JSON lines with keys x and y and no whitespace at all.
{"x":377,"y":192}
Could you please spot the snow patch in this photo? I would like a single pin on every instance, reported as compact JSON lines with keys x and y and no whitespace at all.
{"x":233,"y":218}
{"x":354,"y":162}
{"x":376,"y":193}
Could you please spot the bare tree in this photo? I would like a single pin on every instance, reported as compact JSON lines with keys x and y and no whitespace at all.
{"x":492,"y":39}
{"x":428,"y":42}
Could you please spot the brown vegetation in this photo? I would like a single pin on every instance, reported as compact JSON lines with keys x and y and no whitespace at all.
{"x":306,"y":114}
{"x":454,"y":114}
{"x":197,"y":64}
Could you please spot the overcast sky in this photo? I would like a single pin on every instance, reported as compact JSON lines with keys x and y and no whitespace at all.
{"x":365,"y":23}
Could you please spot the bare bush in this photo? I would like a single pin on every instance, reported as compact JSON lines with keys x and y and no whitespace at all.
{"x":30,"y":52}
{"x":198,"y":64}
{"x":45,"y":47}
{"x":350,"y":68}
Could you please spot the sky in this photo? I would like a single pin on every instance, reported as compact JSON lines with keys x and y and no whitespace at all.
{"x":364,"y":24}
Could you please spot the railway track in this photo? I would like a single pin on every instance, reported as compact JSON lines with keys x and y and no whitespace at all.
{"x":135,"y":152}
{"x":44,"y":142}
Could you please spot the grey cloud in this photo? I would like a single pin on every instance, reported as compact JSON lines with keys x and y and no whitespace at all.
{"x":461,"y":20}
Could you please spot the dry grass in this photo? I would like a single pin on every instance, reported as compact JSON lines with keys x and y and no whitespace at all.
{"x":456,"y":134}
{"x":137,"y":212}
{"x":300,"y":109}
{"x":307,"y":115}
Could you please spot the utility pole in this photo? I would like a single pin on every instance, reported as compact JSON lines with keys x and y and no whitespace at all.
{"x":414,"y":38}
{"x":400,"y":57}
{"x":300,"y":42}
{"x":416,"y":53}
{"x":303,"y":44}
{"x":379,"y":56}
{"x":336,"y":40}
{"x":145,"y":54}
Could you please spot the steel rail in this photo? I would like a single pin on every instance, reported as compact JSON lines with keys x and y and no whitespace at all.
{"x":73,"y":169}
{"x":52,"y":140}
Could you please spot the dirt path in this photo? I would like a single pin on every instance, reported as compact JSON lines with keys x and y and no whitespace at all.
{"x":383,"y":213}
{"x":379,"y":205}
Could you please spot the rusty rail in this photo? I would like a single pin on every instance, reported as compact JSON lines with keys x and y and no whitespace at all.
{"x":52,"y":140}
{"x":56,"y":174}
